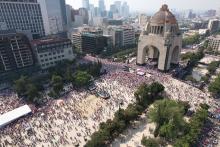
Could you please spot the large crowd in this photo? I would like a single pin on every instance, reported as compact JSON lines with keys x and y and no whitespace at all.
{"x":74,"y":117}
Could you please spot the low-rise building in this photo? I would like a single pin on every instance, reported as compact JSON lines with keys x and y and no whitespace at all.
{"x":116,"y":22}
{"x":91,"y":40}
{"x":50,"y":51}
{"x":77,"y":41}
{"x":92,"y":43}
{"x":214,"y":25}
{"x":15,"y":51}
{"x":122,"y":36}
{"x":214,"y":42}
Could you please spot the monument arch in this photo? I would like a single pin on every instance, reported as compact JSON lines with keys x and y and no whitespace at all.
{"x":162,"y":38}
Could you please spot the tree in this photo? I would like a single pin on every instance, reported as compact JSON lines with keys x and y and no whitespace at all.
{"x":205,"y":79}
{"x":205,"y":45}
{"x":196,"y":124}
{"x":32,"y":92}
{"x":213,"y":66}
{"x":168,"y":116}
{"x":21,"y":85}
{"x":69,"y":74}
{"x":181,"y":143}
{"x":191,"y":40}
{"x":149,"y":142}
{"x":93,"y":68}
{"x":142,"y":94}
{"x":156,"y":88}
{"x":214,"y":87}
{"x":185,"y":105}
{"x":29,"y":90}
{"x":81,"y":78}
{"x":57,"y":83}
{"x":204,"y":106}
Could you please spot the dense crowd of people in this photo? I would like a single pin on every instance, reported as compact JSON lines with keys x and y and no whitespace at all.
{"x":75,"y":116}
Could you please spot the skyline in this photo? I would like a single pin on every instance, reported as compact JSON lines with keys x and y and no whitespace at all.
{"x":154,"y":5}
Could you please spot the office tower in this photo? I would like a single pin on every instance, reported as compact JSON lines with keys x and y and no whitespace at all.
{"x":85,"y":4}
{"x":80,"y":17}
{"x":70,"y":19}
{"x":91,"y":13}
{"x":113,"y":8}
{"x":125,"y":10}
{"x":15,"y":51}
{"x":63,"y":12}
{"x":54,"y":15}
{"x":218,"y":13}
{"x":118,"y":6}
{"x":22,"y":15}
{"x":210,"y":13}
{"x":102,"y":5}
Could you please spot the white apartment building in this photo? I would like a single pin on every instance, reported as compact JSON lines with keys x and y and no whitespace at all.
{"x":22,"y":15}
{"x":214,"y":42}
{"x":53,"y":50}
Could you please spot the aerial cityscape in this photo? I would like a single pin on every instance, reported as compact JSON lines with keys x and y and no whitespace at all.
{"x":109,"y":73}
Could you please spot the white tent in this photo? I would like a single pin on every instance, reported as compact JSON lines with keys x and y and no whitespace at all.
{"x":13,"y":115}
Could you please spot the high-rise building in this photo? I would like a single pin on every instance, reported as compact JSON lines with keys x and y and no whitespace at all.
{"x":191,"y":15}
{"x":22,"y":15}
{"x":85,"y":4}
{"x":91,"y":13}
{"x":118,"y":6}
{"x":70,"y":20}
{"x":218,"y":13}
{"x":125,"y":10}
{"x":113,"y":8}
{"x":102,"y":6}
{"x":15,"y":51}
{"x":54,"y":16}
{"x":210,"y":13}
{"x":80,"y":17}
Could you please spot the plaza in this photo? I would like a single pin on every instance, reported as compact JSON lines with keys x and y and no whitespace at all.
{"x":71,"y":119}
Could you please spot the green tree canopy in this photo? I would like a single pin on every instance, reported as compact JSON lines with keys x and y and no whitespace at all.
{"x":213,"y":66}
{"x":168,"y":115}
{"x":149,"y":142}
{"x":196,"y":124}
{"x":21,"y":85}
{"x":81,"y":78}
{"x":57,"y":83}
{"x":214,"y":87}
{"x":191,"y":40}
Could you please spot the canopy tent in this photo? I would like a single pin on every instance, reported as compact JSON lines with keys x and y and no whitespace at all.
{"x":10,"y":116}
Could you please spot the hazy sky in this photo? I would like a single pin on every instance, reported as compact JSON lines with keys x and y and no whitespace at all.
{"x":153,"y":5}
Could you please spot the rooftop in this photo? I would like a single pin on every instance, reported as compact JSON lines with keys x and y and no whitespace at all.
{"x":20,"y":1}
{"x":49,"y":41}
{"x":163,"y":16}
